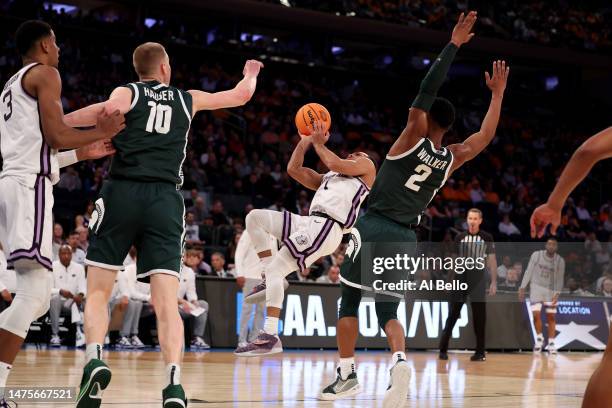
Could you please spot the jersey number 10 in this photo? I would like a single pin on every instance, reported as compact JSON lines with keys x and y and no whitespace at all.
{"x":421,"y":172}
{"x":159,"y":118}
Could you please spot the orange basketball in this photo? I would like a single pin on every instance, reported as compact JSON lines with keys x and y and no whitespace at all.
{"x":307,"y":114}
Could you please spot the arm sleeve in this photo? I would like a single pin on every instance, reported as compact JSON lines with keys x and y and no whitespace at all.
{"x":67,"y":158}
{"x":435,"y":78}
{"x":529,"y":271}
{"x":191,"y":288}
{"x":560,"y":275}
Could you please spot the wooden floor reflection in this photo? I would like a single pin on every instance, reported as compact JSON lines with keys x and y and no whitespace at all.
{"x":293,"y":379}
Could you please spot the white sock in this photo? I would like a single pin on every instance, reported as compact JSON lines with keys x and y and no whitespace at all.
{"x":173,"y":374}
{"x":93,"y":350}
{"x":347,"y":367}
{"x":5,"y":370}
{"x":398,"y":355}
{"x":271,"y":325}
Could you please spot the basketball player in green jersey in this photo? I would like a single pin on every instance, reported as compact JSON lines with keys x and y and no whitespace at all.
{"x":140,"y":205}
{"x":415,"y":168}
{"x":596,"y":148}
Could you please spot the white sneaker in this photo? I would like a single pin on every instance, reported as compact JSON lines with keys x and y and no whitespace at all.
{"x":55,"y":341}
{"x":397,"y":392}
{"x":552,"y":349}
{"x":80,"y":337}
{"x":199,"y":343}
{"x":539,"y":343}
{"x":106,"y":340}
{"x":124,"y":343}
{"x":136,"y":342}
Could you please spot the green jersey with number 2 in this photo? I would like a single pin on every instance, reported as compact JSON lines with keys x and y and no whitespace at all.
{"x":406,"y":183}
{"x":152,"y":145}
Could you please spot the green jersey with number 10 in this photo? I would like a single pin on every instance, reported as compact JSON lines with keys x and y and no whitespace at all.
{"x":152,"y":146}
{"x":406,"y":183}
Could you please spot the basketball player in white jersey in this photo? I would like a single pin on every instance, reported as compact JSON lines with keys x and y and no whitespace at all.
{"x":333,"y":212}
{"x":545,"y":277}
{"x":31,"y":131}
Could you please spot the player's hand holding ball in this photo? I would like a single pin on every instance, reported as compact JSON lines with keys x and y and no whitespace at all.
{"x":308,"y":114}
{"x":320,"y":135}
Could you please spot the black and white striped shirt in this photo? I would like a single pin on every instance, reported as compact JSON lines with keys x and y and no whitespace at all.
{"x":474,"y":246}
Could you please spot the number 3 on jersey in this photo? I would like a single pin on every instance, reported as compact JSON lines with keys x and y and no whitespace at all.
{"x":421,"y":172}
{"x":159,"y":118}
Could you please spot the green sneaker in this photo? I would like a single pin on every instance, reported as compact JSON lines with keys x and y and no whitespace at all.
{"x":174,"y":396}
{"x":96,"y":376}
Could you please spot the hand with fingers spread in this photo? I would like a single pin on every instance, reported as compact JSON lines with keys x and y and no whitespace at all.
{"x":462,"y":31}
{"x":96,"y":150}
{"x":542,"y":217}
{"x":319,"y":134}
{"x":251,"y":68}
{"x":496,"y":82}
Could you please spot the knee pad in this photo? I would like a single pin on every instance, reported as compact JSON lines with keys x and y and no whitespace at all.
{"x":31,"y":301}
{"x":349,"y":304}
{"x":385,"y":311}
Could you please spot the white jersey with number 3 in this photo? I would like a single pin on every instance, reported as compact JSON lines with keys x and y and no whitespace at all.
{"x":340,"y":197}
{"x":25,"y":153}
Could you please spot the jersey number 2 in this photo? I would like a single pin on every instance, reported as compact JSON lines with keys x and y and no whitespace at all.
{"x":159,"y":118}
{"x":421,"y":172}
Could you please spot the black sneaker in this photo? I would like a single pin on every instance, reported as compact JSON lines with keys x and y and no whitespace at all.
{"x":478,"y":357}
{"x":443,"y":355}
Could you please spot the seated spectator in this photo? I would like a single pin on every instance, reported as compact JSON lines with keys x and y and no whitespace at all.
{"x":575,"y":289}
{"x":217,"y":261}
{"x":606,"y":287}
{"x":70,"y":180}
{"x":199,"y":210}
{"x":218,"y":215}
{"x":8,"y":282}
{"x":83,"y":238}
{"x":58,"y":239}
{"x":300,"y":276}
{"x":507,"y":227}
{"x":78,"y":255}
{"x":189,"y":305}
{"x":505,"y":206}
{"x":120,"y":299}
{"x":69,"y":286}
{"x":582,"y":212}
{"x":477,"y":194}
{"x":192,"y":230}
{"x":203,"y":267}
{"x":332,"y":275}
{"x":512,"y":282}
{"x":502,"y":270}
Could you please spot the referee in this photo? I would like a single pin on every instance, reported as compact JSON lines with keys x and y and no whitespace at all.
{"x":473,"y":244}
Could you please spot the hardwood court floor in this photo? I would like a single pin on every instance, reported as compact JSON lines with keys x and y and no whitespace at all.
{"x":293,"y":379}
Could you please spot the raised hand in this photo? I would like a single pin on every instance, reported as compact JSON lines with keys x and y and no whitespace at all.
{"x":111,"y":124}
{"x":496,"y":82}
{"x":462,"y":31}
{"x":252,"y":67}
{"x":319,"y":135}
{"x":541,"y":217}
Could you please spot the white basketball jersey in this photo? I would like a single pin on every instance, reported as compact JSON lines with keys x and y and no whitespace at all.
{"x":340,"y":197}
{"x":25,"y":153}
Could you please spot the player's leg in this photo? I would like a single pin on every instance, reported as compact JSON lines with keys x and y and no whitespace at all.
{"x":536,"y":309}
{"x":479,"y":313}
{"x":453,"y":315}
{"x":597,"y":394}
{"x":551,"y":312}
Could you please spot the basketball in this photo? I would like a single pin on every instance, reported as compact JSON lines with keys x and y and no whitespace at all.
{"x":307,"y":114}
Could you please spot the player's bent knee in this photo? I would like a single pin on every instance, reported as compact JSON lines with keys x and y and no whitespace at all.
{"x":385,"y":312}
{"x":253,"y":218}
{"x":349,"y":304}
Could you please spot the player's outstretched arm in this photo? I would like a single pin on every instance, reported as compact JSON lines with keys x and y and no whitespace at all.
{"x":476,"y":143}
{"x":93,"y":151}
{"x":238,"y":96}
{"x":596,"y":148}
{"x":119,"y":100}
{"x":45,"y":83}
{"x":296,"y":170}
{"x":360,"y":166}
{"x":416,"y":126}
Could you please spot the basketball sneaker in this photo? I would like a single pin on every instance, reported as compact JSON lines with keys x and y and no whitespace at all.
{"x":538,"y":344}
{"x":96,"y":376}
{"x":174,"y":396}
{"x":478,"y":357}
{"x":258,"y":293}
{"x":341,"y":388}
{"x":124,"y":343}
{"x":55,"y":341}
{"x":136,"y":342}
{"x":264,"y":344}
{"x":397,"y":391}
{"x":552,"y":349}
{"x":199,"y":343}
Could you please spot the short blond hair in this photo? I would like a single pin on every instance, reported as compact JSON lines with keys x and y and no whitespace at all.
{"x":475,"y":210}
{"x":147,"y":57}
